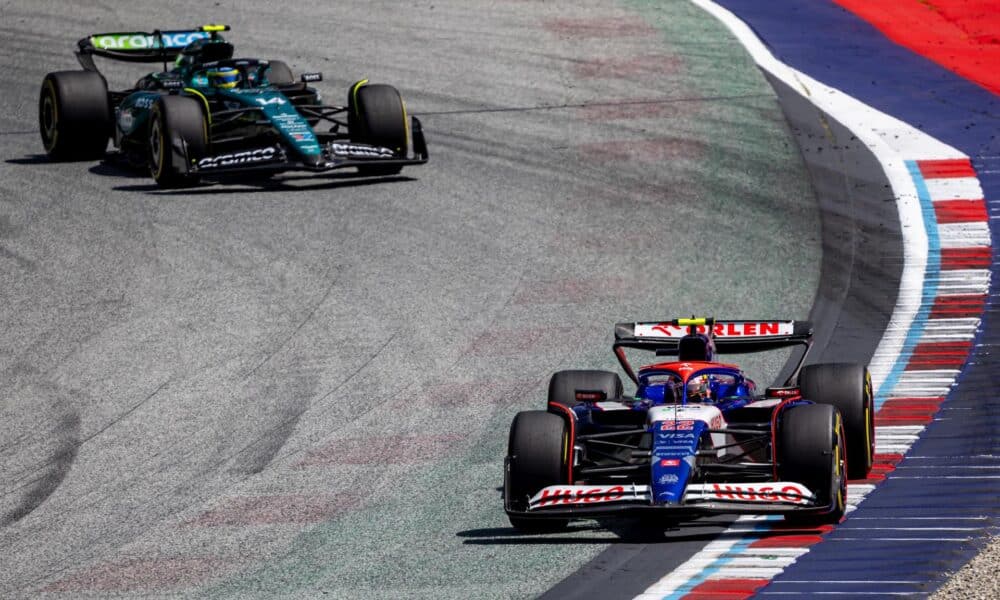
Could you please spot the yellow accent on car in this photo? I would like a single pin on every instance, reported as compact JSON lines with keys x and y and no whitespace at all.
{"x":208,"y":111}
{"x":565,"y":448}
{"x":692,"y":321}
{"x":868,"y":416}
{"x":212,"y":28}
{"x":354,"y":93}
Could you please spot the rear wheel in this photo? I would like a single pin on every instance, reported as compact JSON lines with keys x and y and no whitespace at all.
{"x":74,"y":115}
{"x":177,"y":131}
{"x":377,"y":116}
{"x":848,"y":387}
{"x":538,"y":451}
{"x":810,"y":450}
{"x":564,"y":385}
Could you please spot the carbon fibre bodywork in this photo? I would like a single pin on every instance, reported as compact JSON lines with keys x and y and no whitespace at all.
{"x":697,"y":438}
{"x":263,"y":121}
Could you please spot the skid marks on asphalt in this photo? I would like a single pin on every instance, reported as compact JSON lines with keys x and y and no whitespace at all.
{"x":618,"y":27}
{"x":622,"y":109}
{"x":647,"y":65}
{"x":573,"y":291}
{"x":391,"y":449}
{"x":649,"y":151}
{"x":277,"y":510}
{"x":145,"y":574}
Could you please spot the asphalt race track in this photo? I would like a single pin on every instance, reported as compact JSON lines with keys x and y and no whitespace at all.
{"x":303,"y":388}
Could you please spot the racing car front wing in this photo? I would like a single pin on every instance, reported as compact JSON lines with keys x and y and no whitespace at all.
{"x":582,"y":501}
{"x":334,"y":155}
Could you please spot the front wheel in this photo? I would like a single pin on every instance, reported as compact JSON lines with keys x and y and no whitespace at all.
{"x":810,"y":450}
{"x":377,"y":116}
{"x":178,"y":132}
{"x":538,"y":453}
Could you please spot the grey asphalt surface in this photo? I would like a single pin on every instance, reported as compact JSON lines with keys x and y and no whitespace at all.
{"x":305,"y":388}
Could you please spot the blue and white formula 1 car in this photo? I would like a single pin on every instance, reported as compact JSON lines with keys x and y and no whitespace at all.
{"x":697,"y":438}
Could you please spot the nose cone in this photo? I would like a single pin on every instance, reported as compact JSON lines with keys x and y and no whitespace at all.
{"x":312,"y":160}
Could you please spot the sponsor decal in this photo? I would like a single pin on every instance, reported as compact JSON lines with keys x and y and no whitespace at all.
{"x":721,"y":330}
{"x":312,"y":77}
{"x":670,"y":462}
{"x":275,"y":100}
{"x":257,"y":155}
{"x":671,"y":450}
{"x":359,"y":151}
{"x":295,"y":127}
{"x":577,"y":495}
{"x":788,"y":492}
{"x":666,"y":496}
{"x":684,"y":425}
{"x":668,"y":478}
{"x":172,"y":84}
{"x":125,"y":120}
{"x":138,"y":41}
{"x":144,"y":102}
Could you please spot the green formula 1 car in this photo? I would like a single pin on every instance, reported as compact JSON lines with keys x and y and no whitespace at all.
{"x":207,"y":114}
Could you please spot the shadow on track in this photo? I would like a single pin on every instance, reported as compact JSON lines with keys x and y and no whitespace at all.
{"x":627,"y":532}
{"x":33,"y":159}
{"x":326,"y":182}
{"x":112,"y":167}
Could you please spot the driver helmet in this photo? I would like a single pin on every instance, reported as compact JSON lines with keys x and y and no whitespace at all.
{"x":225,"y":78}
{"x":699,"y":389}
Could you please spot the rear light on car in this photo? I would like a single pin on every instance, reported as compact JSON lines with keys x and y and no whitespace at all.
{"x":591,"y":395}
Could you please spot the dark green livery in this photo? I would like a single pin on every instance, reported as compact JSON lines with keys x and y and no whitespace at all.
{"x":209,"y":115}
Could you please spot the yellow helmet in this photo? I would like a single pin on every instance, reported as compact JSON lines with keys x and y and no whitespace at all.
{"x":226,"y":78}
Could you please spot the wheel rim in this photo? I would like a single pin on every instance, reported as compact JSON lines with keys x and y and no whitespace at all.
{"x":156,"y":148}
{"x":869,"y":420}
{"x":840,"y":470}
{"x":48,"y":117}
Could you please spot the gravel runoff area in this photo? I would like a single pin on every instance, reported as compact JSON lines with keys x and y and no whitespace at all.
{"x":977,"y":580}
{"x":304,"y":388}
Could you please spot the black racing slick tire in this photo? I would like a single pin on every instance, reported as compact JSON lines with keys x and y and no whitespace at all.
{"x":178,"y":131}
{"x":74,"y":115}
{"x":377,"y":116}
{"x":564,"y":385}
{"x":538,"y":452}
{"x":848,"y":387}
{"x":279,"y":73}
{"x":810,"y":449}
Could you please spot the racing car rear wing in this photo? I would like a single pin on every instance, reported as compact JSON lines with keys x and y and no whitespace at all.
{"x":141,"y":46}
{"x":733,"y":336}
